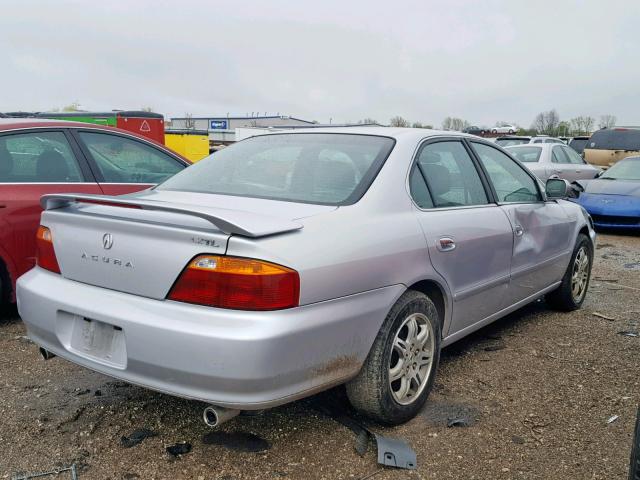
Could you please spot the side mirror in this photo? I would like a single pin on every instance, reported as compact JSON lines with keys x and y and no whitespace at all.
{"x":557,"y":188}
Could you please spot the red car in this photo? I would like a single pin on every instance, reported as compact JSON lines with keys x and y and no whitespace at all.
{"x":53,"y":156}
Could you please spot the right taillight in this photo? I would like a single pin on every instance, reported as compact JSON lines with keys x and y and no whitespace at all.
{"x":237,"y":283}
{"x":45,"y":255}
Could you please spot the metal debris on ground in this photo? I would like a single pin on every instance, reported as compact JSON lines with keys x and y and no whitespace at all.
{"x":613,"y":418}
{"x":628,"y":333}
{"x":28,"y":476}
{"x":395,"y":453}
{"x":137,"y":437}
{"x":180,"y":448}
{"x":458,"y":422}
{"x":391,"y":452}
{"x":238,"y":441}
{"x":602,"y":315}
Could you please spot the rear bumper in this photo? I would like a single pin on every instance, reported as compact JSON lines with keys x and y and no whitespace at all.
{"x":245,"y":360}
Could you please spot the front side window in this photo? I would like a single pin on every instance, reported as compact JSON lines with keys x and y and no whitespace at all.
{"x":450,"y":175}
{"x":322,"y":168}
{"x":510,"y":181}
{"x":38,"y":157}
{"x":123,"y":160}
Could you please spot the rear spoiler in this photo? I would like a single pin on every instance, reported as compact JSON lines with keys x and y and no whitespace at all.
{"x":232,"y":222}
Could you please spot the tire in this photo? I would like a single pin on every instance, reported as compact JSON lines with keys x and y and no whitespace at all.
{"x":564,"y":298}
{"x":494,"y":131}
{"x":511,"y":132}
{"x":371,"y":392}
{"x":634,"y":461}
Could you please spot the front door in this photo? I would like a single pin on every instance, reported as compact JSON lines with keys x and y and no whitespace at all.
{"x":542,"y":230}
{"x":469,"y":239}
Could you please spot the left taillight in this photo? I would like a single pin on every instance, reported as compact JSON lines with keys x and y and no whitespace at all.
{"x":237,"y":283}
{"x":45,"y":254}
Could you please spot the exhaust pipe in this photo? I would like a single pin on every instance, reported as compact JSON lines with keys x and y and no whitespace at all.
{"x":215,"y":416}
{"x":46,"y":354}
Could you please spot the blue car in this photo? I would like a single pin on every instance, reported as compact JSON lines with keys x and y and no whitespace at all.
{"x":613,"y":199}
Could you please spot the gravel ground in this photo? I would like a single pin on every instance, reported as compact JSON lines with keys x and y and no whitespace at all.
{"x":535,"y":389}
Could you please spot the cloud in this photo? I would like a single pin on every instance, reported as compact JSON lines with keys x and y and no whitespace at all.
{"x":482,"y":61}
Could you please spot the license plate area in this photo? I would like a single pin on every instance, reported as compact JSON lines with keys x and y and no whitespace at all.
{"x":98,"y":341}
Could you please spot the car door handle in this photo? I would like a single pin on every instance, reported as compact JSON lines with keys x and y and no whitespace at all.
{"x":446,"y":244}
{"x":518,"y":231}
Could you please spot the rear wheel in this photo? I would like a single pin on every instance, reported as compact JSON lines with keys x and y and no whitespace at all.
{"x":494,"y":131}
{"x":399,"y":372}
{"x":572,"y":291}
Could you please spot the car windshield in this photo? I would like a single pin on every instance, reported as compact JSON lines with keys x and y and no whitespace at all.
{"x":506,"y":142}
{"x":321,"y":168}
{"x":615,"y":139}
{"x":627,"y":169}
{"x":526,"y":154}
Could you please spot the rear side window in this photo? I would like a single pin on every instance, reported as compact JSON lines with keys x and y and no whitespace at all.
{"x":450,"y":175}
{"x":526,"y":154}
{"x":510,"y":181}
{"x":615,"y":139}
{"x":572,"y":156}
{"x":558,"y":156}
{"x":38,"y":157}
{"x":327,"y":169}
{"x":123,"y":160}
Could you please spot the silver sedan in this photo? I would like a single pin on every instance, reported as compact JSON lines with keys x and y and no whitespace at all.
{"x":548,"y":160}
{"x":292,"y":262}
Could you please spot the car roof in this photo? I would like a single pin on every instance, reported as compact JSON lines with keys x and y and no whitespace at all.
{"x":392,"y":132}
{"x":535,"y":145}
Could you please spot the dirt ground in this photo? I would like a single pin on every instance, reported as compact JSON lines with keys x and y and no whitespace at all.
{"x":535,"y":391}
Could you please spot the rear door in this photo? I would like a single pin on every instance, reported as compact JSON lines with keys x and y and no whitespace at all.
{"x":469,"y":238}
{"x":567,"y":164}
{"x":34,"y":163}
{"x":581,"y":169}
{"x":542,"y":231}
{"x":124,"y":164}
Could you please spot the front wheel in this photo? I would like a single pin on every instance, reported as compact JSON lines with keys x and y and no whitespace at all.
{"x":572,"y":291}
{"x":399,"y":372}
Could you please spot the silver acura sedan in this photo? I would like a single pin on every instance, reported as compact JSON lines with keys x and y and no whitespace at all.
{"x":548,"y":160}
{"x":293,"y":262}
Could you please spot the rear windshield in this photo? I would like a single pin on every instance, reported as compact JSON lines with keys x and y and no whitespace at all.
{"x":627,"y":169}
{"x":578,"y":144}
{"x":615,"y":139}
{"x":526,"y":154}
{"x":322,"y":168}
{"x":506,"y":142}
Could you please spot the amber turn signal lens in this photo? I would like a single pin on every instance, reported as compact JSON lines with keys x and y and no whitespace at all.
{"x":45,"y":254}
{"x":237,"y":283}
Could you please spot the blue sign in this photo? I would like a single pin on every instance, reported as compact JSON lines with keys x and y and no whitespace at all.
{"x":218,"y":124}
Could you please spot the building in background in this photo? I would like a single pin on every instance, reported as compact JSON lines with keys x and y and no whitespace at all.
{"x":222,"y":130}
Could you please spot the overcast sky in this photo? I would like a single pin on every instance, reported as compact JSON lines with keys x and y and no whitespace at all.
{"x":483,"y":61}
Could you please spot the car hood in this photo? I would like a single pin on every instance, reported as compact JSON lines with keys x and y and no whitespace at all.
{"x":611,"y":187}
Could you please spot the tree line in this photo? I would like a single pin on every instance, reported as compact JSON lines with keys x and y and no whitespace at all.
{"x":545,"y":123}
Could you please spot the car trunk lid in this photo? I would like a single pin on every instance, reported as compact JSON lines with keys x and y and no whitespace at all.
{"x":140,"y":246}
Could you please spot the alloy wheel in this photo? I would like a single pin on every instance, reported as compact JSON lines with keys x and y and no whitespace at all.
{"x":580,"y":275}
{"x":411,"y":358}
